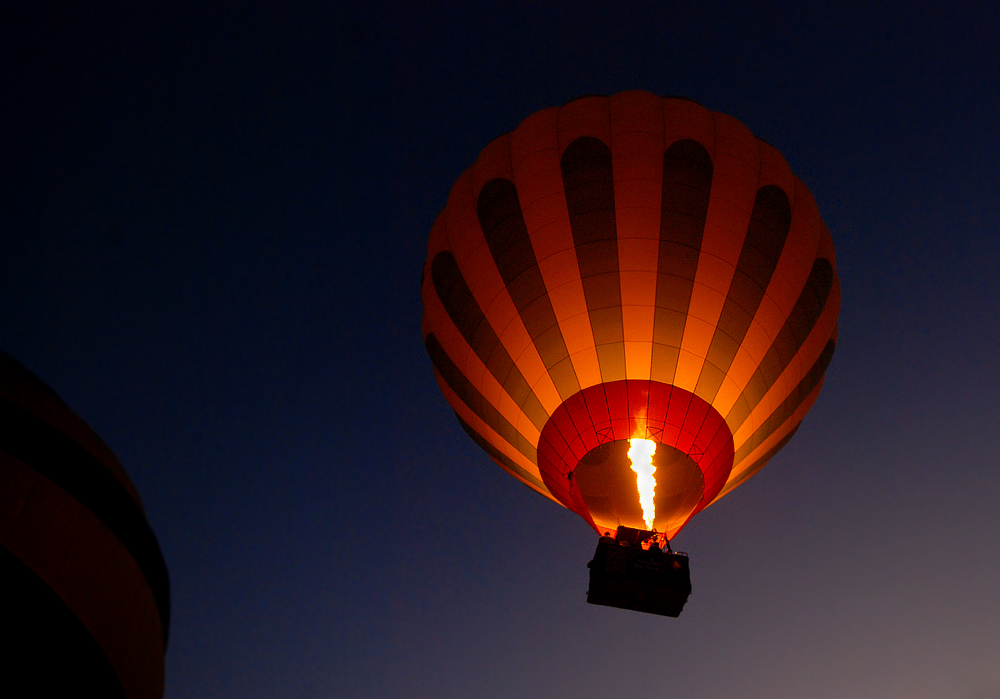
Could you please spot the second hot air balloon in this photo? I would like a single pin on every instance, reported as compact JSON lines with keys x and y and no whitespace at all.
{"x":86,"y":604}
{"x":630,"y":303}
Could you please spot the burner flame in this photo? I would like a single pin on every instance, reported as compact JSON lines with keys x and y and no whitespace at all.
{"x":641,"y":454}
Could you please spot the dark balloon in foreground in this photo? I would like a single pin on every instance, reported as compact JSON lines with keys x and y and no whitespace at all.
{"x":86,"y":601}
{"x":630,"y":267}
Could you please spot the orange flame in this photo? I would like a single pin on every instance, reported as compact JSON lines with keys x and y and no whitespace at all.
{"x":641,"y":454}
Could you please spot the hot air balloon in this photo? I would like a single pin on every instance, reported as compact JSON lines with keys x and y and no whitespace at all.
{"x":630,"y":270}
{"x":86,"y":603}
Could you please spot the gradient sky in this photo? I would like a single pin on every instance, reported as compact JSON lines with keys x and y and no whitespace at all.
{"x":213,"y":222}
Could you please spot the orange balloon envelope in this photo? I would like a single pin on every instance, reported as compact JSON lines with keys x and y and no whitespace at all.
{"x":630,"y":267}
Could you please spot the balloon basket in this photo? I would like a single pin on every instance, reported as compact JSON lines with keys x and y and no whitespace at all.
{"x":631,"y":570}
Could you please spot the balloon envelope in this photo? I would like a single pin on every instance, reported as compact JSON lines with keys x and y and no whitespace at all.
{"x":86,"y":608}
{"x":630,"y":267}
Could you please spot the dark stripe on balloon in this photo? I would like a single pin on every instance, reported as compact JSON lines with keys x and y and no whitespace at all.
{"x":590,"y":199}
{"x":687,"y":185}
{"x":470,"y":320}
{"x":760,"y":463}
{"x":501,"y":458}
{"x":49,"y":650}
{"x":475,"y":400}
{"x":809,"y":382}
{"x":506,"y":234}
{"x":789,"y":341}
{"x":769,"y":223}
{"x":59,"y":458}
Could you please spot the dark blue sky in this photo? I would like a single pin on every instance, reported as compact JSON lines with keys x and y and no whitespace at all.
{"x":213,"y":222}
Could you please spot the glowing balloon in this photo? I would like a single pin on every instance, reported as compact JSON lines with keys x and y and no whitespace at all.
{"x":630,"y":267}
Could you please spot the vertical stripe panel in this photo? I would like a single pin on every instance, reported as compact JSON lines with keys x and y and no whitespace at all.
{"x":485,"y":432}
{"x":477,"y":331}
{"x":738,"y":478}
{"x":687,"y":185}
{"x":780,"y":416}
{"x":538,"y":178}
{"x":507,"y":237}
{"x":769,"y":223}
{"x":468,"y":245}
{"x":637,"y":147}
{"x":786,"y":345}
{"x":470,"y":395}
{"x":736,"y":165}
{"x":782,"y":293}
{"x":590,"y":199}
{"x":804,"y":359}
{"x":504,"y":461}
{"x":758,"y":457}
{"x":684,"y":120}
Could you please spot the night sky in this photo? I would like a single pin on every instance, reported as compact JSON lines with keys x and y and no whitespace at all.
{"x":213,"y":222}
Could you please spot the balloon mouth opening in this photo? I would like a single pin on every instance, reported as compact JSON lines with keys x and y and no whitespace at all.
{"x":583,"y":454}
{"x":608,"y":486}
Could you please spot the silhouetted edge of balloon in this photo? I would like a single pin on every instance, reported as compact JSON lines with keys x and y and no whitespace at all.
{"x":87,"y":604}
